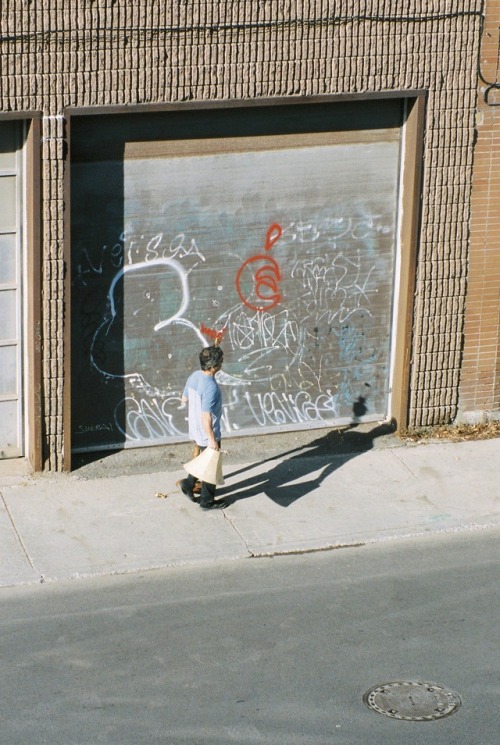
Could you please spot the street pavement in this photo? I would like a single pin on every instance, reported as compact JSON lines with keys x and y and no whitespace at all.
{"x":124,"y":513}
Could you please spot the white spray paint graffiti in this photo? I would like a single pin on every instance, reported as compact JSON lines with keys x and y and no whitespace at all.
{"x":333,"y":288}
{"x":300,"y":362}
{"x":148,"y":418}
{"x":135,"y":378}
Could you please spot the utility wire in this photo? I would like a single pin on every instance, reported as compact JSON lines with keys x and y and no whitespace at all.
{"x":489,"y":85}
{"x":126,"y":32}
{"x":246,"y":26}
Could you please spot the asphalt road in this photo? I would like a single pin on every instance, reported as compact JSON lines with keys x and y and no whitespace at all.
{"x":275,"y":651}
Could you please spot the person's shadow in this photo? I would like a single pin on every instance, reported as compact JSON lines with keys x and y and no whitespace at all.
{"x":286,"y":482}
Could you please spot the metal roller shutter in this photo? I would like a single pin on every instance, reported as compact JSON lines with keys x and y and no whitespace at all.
{"x":276,"y":229}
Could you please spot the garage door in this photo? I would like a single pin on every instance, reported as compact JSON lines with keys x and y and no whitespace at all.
{"x":274,"y":231}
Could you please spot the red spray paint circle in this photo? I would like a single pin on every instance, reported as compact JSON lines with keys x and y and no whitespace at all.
{"x":264,"y":279}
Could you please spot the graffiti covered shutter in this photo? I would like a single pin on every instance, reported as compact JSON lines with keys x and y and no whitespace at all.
{"x":282,"y":243}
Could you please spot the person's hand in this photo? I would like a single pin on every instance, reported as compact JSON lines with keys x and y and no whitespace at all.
{"x":213,"y":445}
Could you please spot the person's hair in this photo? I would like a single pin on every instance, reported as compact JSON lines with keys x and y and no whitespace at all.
{"x":211,"y":357}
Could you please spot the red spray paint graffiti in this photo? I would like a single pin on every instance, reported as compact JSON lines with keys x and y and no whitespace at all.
{"x":214,"y":334}
{"x":265,"y":274}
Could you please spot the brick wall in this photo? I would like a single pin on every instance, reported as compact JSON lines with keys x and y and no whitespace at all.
{"x":55,"y":53}
{"x":480,"y":384}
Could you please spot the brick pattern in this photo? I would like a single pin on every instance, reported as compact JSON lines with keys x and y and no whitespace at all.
{"x":480,"y":384}
{"x":55,"y":53}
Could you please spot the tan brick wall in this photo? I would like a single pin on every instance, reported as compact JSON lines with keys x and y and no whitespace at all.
{"x":55,"y":53}
{"x":480,"y":383}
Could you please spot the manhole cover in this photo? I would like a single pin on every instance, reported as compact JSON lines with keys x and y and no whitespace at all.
{"x":414,"y":702}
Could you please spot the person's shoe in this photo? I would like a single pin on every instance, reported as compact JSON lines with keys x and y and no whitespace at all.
{"x":189,"y":494}
{"x":219,"y":504}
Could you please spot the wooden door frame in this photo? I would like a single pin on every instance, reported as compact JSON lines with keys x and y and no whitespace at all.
{"x":32,"y":284}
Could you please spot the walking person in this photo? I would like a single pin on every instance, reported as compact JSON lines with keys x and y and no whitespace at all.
{"x":203,"y":395}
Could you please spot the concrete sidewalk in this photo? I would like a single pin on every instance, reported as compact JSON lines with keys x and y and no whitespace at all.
{"x":86,"y":523}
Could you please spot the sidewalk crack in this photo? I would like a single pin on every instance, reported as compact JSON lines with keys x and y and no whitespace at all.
{"x":405,"y":465}
{"x":240,"y":535}
{"x":19,"y":539}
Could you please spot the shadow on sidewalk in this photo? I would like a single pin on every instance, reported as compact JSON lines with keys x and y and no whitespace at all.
{"x":326,"y":453}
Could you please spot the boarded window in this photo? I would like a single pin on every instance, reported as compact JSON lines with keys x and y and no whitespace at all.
{"x":273,"y":228}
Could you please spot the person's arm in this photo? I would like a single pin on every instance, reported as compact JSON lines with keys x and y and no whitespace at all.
{"x":184,"y":398}
{"x":206,"y":423}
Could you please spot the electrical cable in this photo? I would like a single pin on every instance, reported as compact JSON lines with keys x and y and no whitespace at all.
{"x":251,"y":25}
{"x":69,"y":34}
{"x":489,"y":85}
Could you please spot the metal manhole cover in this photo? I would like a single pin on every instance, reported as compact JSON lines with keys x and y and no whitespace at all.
{"x":412,"y":701}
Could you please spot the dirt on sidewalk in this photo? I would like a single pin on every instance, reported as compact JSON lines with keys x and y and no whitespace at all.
{"x":453,"y":432}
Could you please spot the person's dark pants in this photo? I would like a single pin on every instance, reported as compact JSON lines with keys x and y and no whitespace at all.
{"x":207,"y":494}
